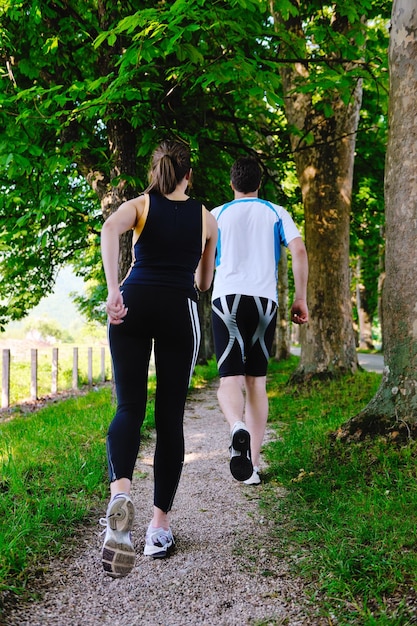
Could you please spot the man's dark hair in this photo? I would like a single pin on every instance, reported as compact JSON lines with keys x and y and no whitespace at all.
{"x":246,"y":174}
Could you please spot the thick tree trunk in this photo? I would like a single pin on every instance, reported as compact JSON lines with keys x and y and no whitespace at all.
{"x":283,"y":328}
{"x":325,"y":172}
{"x":122,"y":147}
{"x":112,"y":188}
{"x":207,"y":341}
{"x":394,"y":407}
{"x":365,"y":341}
{"x":365,"y":322}
{"x":381,"y":282}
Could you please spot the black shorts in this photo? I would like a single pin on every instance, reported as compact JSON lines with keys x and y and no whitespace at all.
{"x":244,"y":329}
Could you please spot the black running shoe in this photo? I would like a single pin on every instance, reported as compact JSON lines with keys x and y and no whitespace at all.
{"x":240,"y":458}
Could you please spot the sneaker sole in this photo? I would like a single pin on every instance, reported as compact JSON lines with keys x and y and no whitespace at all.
{"x":118,"y":559}
{"x":241,"y":440}
{"x":121,"y":515}
{"x":241,"y":466}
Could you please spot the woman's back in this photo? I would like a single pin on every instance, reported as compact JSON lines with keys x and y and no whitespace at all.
{"x":169,"y":246}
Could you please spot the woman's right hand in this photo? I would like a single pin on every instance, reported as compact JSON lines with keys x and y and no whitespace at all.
{"x":115,"y":307}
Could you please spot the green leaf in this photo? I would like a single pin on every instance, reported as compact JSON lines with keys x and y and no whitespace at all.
{"x":188,"y":51}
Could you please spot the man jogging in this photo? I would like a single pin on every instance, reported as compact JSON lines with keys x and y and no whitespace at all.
{"x":244,"y":308}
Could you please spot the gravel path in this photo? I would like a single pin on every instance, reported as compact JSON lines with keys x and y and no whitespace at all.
{"x":221,"y":573}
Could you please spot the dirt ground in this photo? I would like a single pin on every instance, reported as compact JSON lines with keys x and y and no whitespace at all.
{"x":222,"y":572}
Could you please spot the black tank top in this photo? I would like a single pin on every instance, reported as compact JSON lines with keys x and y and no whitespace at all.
{"x":169,"y":246}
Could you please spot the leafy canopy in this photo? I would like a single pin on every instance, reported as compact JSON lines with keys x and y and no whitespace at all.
{"x":89,"y":87}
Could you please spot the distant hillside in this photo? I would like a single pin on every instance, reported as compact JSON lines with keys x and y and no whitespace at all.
{"x":59,"y":305}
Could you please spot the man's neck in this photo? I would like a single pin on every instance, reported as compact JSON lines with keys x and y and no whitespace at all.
{"x":239,"y":195}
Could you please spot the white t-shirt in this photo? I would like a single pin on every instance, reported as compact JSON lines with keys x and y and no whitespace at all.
{"x":251,"y":231}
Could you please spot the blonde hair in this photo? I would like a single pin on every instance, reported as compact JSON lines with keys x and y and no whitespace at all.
{"x":171,"y":161}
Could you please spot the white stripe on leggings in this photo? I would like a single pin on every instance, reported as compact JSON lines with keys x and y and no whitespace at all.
{"x":195,"y":324}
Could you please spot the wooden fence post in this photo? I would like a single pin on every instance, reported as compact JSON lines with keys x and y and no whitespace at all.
{"x":54,"y":383}
{"x":75,"y":369}
{"x":5,"y":380}
{"x":90,"y":366}
{"x":103,"y":365}
{"x":33,"y":374}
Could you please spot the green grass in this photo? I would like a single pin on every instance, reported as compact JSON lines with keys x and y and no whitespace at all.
{"x":349,"y":519}
{"x":52,"y":473}
{"x":53,"y":479}
{"x":203,"y":374}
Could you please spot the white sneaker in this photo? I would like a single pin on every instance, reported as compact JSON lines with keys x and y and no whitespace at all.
{"x":240,"y":458}
{"x":158,"y":542}
{"x":118,"y":554}
{"x":255,"y":479}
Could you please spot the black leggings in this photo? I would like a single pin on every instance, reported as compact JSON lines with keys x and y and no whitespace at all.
{"x":170,"y":320}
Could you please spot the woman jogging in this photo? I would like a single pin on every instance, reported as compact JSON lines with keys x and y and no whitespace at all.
{"x":174,"y":241}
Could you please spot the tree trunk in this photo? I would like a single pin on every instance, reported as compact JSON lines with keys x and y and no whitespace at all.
{"x":325,"y":173}
{"x":206,"y":351}
{"x":364,"y":319}
{"x":381,"y":282}
{"x":112,"y":188}
{"x":283,"y":329}
{"x":365,"y":322}
{"x":394,"y":407}
{"x":325,"y":170}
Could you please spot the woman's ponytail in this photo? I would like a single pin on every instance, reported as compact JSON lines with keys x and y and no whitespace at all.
{"x":170,"y":163}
